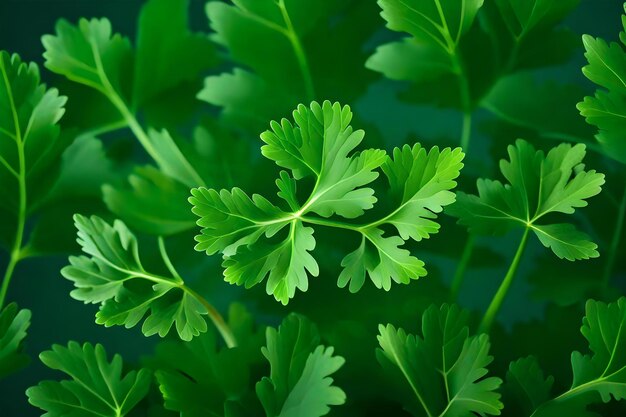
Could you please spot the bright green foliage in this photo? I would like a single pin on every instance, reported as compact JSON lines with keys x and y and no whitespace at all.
{"x":526,"y":388}
{"x":257,"y":238}
{"x":111,"y":274}
{"x":30,"y":146}
{"x":165,"y":64}
{"x":167,"y":56}
{"x":96,"y":388}
{"x":293,"y":59}
{"x":432,"y":23}
{"x":538,"y":185}
{"x":13,"y":326}
{"x":299,"y":384}
{"x":444,"y":367}
{"x":607,"y":109}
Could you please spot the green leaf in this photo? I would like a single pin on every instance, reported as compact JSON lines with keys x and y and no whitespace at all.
{"x":30,"y":144}
{"x":607,"y":109}
{"x":524,"y":16}
{"x":600,"y":376}
{"x":604,"y":371}
{"x":112,"y":275}
{"x":432,"y":53}
{"x":258,"y":239}
{"x":526,"y":388}
{"x":299,"y":383}
{"x":198,"y":378}
{"x":96,"y":388}
{"x":84,"y":168}
{"x":89,"y":54}
{"x":92,"y":55}
{"x":285,"y":263}
{"x":444,"y":367}
{"x":152,"y":202}
{"x":441,"y":22}
{"x":382,"y":259}
{"x":547,"y":108}
{"x":168,"y":54}
{"x":294,"y":57}
{"x":538,"y":185}
{"x":420,"y":183}
{"x":13,"y":326}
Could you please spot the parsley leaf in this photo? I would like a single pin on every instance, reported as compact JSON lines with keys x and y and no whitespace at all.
{"x":258,"y":239}
{"x":526,"y":388}
{"x":30,"y":141}
{"x":538,"y":185}
{"x":299,"y":383}
{"x":198,"y":378}
{"x":112,"y":275}
{"x":293,"y":58}
{"x":13,"y":326}
{"x":607,"y":109}
{"x":444,"y":367}
{"x":597,"y":377}
{"x":97,"y":387}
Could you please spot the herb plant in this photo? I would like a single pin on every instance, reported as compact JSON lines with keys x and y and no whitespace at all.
{"x":254,"y":136}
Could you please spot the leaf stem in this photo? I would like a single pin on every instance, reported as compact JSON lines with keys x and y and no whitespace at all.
{"x":15,"y":256}
{"x":498,"y":299}
{"x":617,"y":236}
{"x":214,"y":315}
{"x":216,"y":318}
{"x":131,"y":119}
{"x":459,"y":273}
{"x":299,"y":52}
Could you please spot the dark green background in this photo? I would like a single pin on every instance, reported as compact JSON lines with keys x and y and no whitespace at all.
{"x":38,"y":284}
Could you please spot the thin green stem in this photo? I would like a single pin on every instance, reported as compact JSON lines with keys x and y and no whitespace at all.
{"x":466,"y":131}
{"x":498,"y":299}
{"x":214,"y":315}
{"x":21,"y":178}
{"x":216,"y":318}
{"x":166,"y":259}
{"x":299,"y":52}
{"x":461,"y":267}
{"x":131,"y":120}
{"x":615,"y":241}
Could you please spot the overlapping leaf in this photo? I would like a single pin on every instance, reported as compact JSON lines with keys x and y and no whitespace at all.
{"x":452,"y":61}
{"x":30,"y":141}
{"x":526,"y":387}
{"x":598,"y":377}
{"x":538,"y":185}
{"x":299,"y":383}
{"x":166,"y":62}
{"x":258,"y":239}
{"x":97,"y":387}
{"x":445,"y":368}
{"x":607,"y":109}
{"x":13,"y":326}
{"x":198,"y":378}
{"x":294,"y":56}
{"x":111,"y":274}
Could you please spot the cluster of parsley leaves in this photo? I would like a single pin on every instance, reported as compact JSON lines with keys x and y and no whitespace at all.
{"x":248,"y":137}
